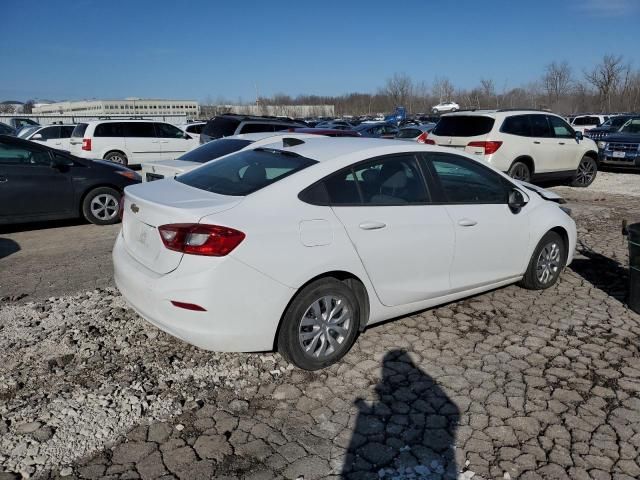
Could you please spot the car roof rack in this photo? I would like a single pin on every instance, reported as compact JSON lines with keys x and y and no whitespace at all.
{"x":527,"y":109}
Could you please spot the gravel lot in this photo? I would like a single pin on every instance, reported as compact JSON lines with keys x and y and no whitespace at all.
{"x":508,"y":384}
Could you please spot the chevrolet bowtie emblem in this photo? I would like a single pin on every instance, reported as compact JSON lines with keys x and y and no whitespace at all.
{"x":135,"y":208}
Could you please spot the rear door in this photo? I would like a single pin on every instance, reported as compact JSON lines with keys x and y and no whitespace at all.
{"x":65,"y":136}
{"x":403,"y":240}
{"x":142,"y":143}
{"x":491,"y":242}
{"x":459,"y":130}
{"x":30,"y":186}
{"x":172,"y":141}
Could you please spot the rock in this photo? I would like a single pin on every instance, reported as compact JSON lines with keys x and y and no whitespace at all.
{"x":212,"y":447}
{"x":132,"y":452}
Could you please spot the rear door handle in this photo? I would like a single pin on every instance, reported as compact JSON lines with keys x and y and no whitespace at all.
{"x":536,"y":142}
{"x":372,"y":225}
{"x":560,"y":143}
{"x":467,"y":222}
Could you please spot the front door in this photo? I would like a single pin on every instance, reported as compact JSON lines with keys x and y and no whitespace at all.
{"x":404,"y":241}
{"x":173,"y":141}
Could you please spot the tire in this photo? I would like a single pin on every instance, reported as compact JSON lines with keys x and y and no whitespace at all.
{"x":546,"y":263}
{"x":435,"y":111}
{"x":117,"y":157}
{"x":303,"y":340}
{"x":585,"y":173}
{"x":454,"y":110}
{"x":100,"y":206}
{"x":520,"y":171}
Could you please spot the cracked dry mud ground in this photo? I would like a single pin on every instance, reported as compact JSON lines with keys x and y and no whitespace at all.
{"x":533,"y":384}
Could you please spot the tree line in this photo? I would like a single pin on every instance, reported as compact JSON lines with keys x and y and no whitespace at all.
{"x":612,"y":85}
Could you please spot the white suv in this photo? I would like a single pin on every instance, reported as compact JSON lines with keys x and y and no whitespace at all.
{"x":526,"y":144}
{"x":130,"y":142}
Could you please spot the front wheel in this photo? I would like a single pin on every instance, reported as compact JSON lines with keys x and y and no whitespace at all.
{"x":100,"y":206}
{"x":586,"y":173}
{"x":520,"y":171}
{"x":320,"y":325}
{"x":546,"y":263}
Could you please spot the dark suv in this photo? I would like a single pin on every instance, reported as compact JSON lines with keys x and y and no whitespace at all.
{"x":232,"y":124}
{"x":610,"y":126}
{"x":622,"y":149}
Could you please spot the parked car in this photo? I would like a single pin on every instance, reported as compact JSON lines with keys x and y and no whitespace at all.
{"x":610,"y":126}
{"x":7,"y":130}
{"x":129,"y":142}
{"x":230,"y":124}
{"x":18,"y":122}
{"x":55,"y":136}
{"x":211,"y":151}
{"x":42,"y":183}
{"x":377,"y":130}
{"x":304,"y":245}
{"x":445,"y":107}
{"x":622,"y":149}
{"x":327,"y":132}
{"x":193,"y":129}
{"x":415,"y":133}
{"x":526,"y":144}
{"x":335,"y":125}
{"x":582,"y":123}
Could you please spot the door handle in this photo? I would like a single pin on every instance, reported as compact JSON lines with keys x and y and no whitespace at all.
{"x":372,"y":225}
{"x":4,"y":179}
{"x":560,"y":143}
{"x":164,"y":141}
{"x":467,"y":222}
{"x":536,"y":142}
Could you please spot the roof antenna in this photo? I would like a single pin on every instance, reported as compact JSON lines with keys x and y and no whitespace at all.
{"x":291,"y":142}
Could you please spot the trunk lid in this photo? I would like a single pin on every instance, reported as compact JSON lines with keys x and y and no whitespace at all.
{"x":150,"y":205}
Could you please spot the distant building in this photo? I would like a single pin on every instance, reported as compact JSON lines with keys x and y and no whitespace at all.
{"x":272,"y":110}
{"x":128,"y":106}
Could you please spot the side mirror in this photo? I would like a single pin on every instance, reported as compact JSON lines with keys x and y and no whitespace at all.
{"x":579,"y":136}
{"x":37,"y":136}
{"x":517,"y":200}
{"x":187,"y":136}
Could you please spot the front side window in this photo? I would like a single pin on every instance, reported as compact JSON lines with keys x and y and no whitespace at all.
{"x":23,"y":156}
{"x":245,"y":172}
{"x":540,"y":126}
{"x":49,"y":133}
{"x":164,"y":130}
{"x":392,"y":180}
{"x":464,"y":181}
{"x":517,"y":125}
{"x":632,"y":126}
{"x":561,"y":129}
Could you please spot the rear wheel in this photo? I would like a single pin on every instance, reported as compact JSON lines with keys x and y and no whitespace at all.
{"x":100,"y":206}
{"x":586,"y":173}
{"x":320,"y":325}
{"x":546,"y":263}
{"x":520,"y":171}
{"x":117,"y":157}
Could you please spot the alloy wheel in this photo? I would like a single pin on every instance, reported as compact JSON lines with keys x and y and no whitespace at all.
{"x":548,"y":264}
{"x":586,"y":172}
{"x":325,"y":326}
{"x":520,"y":172}
{"x":104,"y":206}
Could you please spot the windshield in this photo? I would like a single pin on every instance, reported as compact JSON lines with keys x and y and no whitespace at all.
{"x":214,"y":149}
{"x":632,"y":126}
{"x":245,"y":172}
{"x":26,"y":131}
{"x":408,"y":133}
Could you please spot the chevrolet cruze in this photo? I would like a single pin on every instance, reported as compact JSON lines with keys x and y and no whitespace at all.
{"x":301,"y":244}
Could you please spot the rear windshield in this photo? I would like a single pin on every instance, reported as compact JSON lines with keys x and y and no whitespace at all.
{"x":408,"y":133}
{"x":219,"y":127}
{"x":463,"y":126}
{"x":78,"y":132}
{"x":245,"y":172}
{"x":215,"y":149}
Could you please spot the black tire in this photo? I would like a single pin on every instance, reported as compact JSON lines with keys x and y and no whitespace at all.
{"x":520,"y":171}
{"x":533,"y":280}
{"x":291,"y":336}
{"x":585,"y":173}
{"x":105,"y":196}
{"x":117,"y":157}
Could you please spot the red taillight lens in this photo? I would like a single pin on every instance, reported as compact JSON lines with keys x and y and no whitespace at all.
{"x":489,"y":147}
{"x":424,"y":138}
{"x":200,"y":239}
{"x":188,"y":306}
{"x":121,"y":208}
{"x":86,"y":144}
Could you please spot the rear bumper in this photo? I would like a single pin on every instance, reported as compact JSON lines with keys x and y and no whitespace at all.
{"x":243,"y":306}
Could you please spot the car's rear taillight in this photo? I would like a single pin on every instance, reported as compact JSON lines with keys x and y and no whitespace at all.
{"x":200,"y":239}
{"x":423,"y":138}
{"x":489,"y":147}
{"x":86,"y":144}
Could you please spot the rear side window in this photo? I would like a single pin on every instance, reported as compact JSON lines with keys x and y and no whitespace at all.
{"x":517,"y":125}
{"x":245,"y":172}
{"x":139,"y":130}
{"x":108,"y":130}
{"x":67,"y":130}
{"x":214,"y":149}
{"x":463,"y":126}
{"x":196,"y":129}
{"x":78,"y":131}
{"x":219,"y":127}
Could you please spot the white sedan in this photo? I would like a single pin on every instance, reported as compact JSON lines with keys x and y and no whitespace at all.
{"x":299,"y":245}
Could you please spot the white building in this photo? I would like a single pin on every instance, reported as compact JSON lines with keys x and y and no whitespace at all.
{"x":128,"y":106}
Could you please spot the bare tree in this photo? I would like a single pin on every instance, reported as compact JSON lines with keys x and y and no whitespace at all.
{"x":399,"y":88}
{"x":606,"y":78}
{"x":488,"y":93}
{"x":557,"y":81}
{"x":443,"y":89}
{"x":7,"y":108}
{"x":28,"y":107}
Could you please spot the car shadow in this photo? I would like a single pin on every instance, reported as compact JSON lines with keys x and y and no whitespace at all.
{"x":26,"y":227}
{"x":409,"y":430}
{"x":603,"y":272}
{"x":8,"y":247}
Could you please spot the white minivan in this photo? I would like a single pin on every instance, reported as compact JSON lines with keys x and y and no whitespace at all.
{"x":130,"y":142}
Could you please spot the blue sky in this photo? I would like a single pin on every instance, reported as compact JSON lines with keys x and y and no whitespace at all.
{"x":198,"y":49}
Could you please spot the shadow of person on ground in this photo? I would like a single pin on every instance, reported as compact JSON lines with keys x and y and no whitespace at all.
{"x":603,"y":272}
{"x":409,"y":432}
{"x":7,"y":247}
